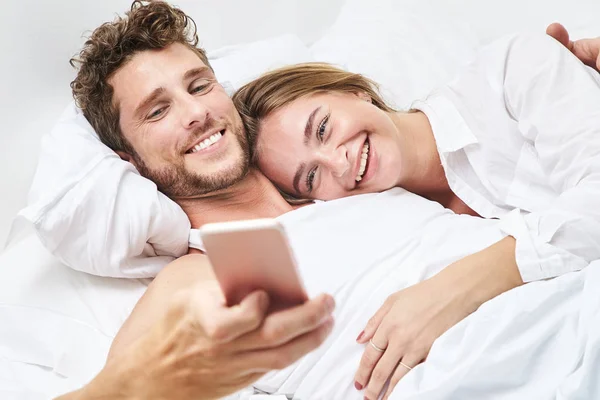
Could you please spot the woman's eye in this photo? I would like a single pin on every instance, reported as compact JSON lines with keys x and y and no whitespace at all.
{"x":322,"y":127}
{"x":310,"y":178}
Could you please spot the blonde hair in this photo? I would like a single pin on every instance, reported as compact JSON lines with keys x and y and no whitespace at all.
{"x":258,"y":99}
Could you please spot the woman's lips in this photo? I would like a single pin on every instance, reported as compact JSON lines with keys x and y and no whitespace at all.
{"x":371,"y":163}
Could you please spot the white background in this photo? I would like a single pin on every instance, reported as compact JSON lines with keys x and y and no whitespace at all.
{"x":38,"y":37}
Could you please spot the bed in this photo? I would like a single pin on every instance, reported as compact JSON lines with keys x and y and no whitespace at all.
{"x":56,"y":324}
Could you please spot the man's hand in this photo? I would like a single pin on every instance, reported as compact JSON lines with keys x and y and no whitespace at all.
{"x":587,"y":50}
{"x":203,"y":349}
{"x":183,"y":342}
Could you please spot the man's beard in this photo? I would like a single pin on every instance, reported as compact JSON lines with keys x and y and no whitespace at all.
{"x":176,"y":181}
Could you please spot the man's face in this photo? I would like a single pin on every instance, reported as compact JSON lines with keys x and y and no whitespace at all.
{"x":186,"y":134}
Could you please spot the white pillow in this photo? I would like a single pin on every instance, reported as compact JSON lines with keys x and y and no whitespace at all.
{"x":95,"y":213}
{"x":57,"y":324}
{"x":409,"y":47}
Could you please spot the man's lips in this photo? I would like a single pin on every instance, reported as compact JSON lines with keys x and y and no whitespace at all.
{"x":203,"y":138}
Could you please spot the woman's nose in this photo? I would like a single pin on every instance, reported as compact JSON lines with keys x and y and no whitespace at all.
{"x":337,"y":161}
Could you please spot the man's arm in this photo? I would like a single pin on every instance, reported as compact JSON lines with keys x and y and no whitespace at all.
{"x":182,"y":341}
{"x":179,"y":276}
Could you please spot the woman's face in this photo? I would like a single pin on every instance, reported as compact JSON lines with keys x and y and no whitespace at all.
{"x":330,"y":145}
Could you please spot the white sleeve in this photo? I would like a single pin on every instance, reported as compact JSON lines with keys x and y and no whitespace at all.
{"x":555,"y":100}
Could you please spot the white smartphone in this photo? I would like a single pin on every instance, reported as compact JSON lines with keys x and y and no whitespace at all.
{"x":250,"y":255}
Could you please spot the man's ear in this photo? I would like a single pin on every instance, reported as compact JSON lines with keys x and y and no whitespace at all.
{"x":364,"y":96}
{"x":126,"y":157}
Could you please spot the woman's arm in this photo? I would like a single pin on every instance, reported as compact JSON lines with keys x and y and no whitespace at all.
{"x":412,"y":319}
{"x":556,"y":103}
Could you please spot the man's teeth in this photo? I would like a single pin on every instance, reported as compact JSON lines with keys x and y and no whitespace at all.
{"x":363,"y":162}
{"x":207,"y":142}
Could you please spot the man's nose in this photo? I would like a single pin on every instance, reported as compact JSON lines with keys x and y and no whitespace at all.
{"x":194,"y":112}
{"x":336,"y":160}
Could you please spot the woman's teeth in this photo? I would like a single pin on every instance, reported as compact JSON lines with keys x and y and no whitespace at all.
{"x":207,"y":142}
{"x":363,"y":162}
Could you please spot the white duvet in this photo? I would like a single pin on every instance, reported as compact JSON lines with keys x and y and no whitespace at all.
{"x":526,"y":344}
{"x":539,"y":341}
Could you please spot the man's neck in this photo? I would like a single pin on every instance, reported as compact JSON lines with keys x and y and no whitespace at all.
{"x":252,"y":197}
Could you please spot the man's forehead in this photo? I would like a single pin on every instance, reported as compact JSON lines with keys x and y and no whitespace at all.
{"x":149,"y":69}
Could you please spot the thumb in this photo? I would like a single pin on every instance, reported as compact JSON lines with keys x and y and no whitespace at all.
{"x":374,"y":322}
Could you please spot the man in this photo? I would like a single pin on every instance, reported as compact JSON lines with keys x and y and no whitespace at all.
{"x":151,"y":95}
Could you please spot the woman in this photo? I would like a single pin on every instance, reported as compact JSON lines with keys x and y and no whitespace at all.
{"x":515,"y":137}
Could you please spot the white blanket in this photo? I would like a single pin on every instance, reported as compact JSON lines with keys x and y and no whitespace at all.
{"x":527,"y":343}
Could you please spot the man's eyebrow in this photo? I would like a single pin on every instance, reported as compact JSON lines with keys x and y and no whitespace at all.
{"x":299,"y":173}
{"x":194,"y":72}
{"x":148,"y":100}
{"x":309,"y":125}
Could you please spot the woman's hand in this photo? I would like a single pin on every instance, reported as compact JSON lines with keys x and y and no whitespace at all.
{"x":399,"y":336}
{"x":406,"y":326}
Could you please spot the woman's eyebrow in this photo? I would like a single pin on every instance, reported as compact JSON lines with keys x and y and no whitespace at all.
{"x":308,"y":129}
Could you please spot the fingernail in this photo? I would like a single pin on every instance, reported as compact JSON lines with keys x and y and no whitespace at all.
{"x":360,"y":336}
{"x":357,"y":385}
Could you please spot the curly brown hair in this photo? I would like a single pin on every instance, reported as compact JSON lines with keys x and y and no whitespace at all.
{"x":146,"y":26}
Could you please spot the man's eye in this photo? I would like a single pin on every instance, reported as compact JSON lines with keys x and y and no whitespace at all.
{"x":200,"y":88}
{"x":156,"y":113}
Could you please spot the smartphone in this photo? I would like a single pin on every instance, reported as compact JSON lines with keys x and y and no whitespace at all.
{"x":250,"y":255}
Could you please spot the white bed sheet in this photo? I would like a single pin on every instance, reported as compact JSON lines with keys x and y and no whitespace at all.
{"x":528,"y":343}
{"x":56,"y":324}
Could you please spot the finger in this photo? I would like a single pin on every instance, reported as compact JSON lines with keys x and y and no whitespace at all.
{"x":283,"y":326}
{"x":233,"y":322}
{"x":587,"y":50}
{"x":369,"y":360}
{"x":560,"y":33}
{"x":261,"y":361}
{"x":411,"y":360}
{"x":371,"y":327}
{"x":382,"y":372}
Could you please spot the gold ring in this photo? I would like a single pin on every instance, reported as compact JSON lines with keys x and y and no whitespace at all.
{"x":375,"y":346}
{"x":405,"y":366}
